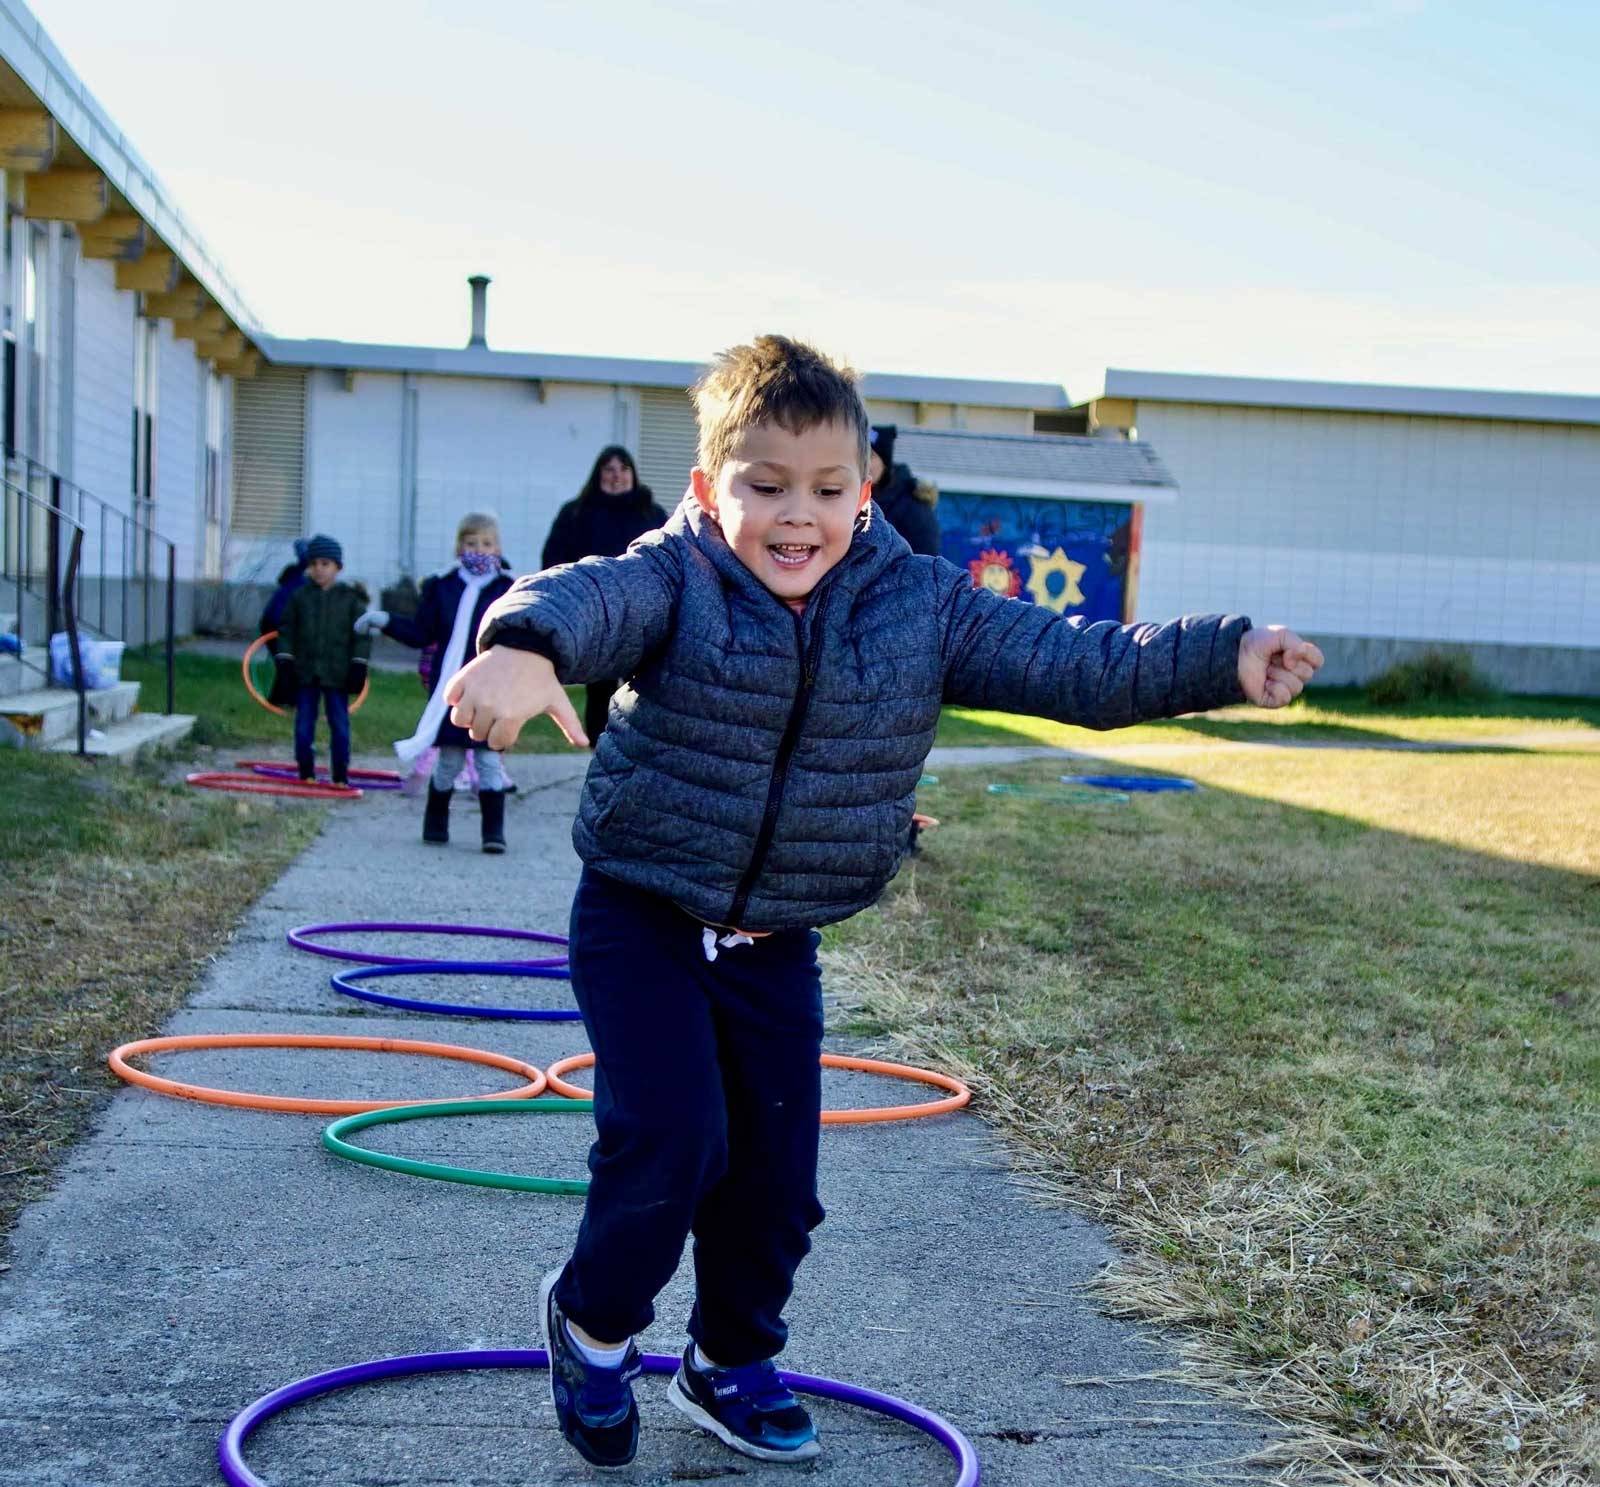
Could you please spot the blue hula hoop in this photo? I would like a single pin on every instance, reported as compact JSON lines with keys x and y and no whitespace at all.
{"x":342,"y":981}
{"x":1144,"y":784}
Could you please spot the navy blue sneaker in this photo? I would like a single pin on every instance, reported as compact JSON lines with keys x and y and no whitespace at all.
{"x":749,"y":1408}
{"x":594,"y":1406}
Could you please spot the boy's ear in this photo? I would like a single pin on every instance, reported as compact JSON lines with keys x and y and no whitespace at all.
{"x":866,"y":495}
{"x":705,"y":490}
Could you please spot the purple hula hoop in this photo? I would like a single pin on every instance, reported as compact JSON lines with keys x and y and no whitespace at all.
{"x":299,"y":937}
{"x":230,"y":1449}
{"x":345,"y":981}
{"x":272,"y":772}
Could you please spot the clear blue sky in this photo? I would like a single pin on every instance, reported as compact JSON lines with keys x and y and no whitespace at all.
{"x":1380,"y":190}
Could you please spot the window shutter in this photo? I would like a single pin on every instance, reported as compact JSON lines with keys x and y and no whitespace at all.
{"x":667,"y":440}
{"x":269,"y":453}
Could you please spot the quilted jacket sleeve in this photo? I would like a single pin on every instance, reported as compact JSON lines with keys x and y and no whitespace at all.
{"x":594,"y":619}
{"x":1015,"y":657}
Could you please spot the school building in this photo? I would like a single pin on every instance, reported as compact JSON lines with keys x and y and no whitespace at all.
{"x":152,"y":426}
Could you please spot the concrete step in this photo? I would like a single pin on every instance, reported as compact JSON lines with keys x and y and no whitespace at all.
{"x":23,"y":672}
{"x":125,"y":741}
{"x":46,"y":715}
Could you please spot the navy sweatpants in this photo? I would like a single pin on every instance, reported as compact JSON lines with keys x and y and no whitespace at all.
{"x":707,"y":1098}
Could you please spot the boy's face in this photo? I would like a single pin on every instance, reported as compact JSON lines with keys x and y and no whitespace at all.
{"x":322,"y":572}
{"x":787,"y":503}
{"x":486,"y":539}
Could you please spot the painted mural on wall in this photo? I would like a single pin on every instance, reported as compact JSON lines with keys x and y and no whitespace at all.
{"x":1070,"y":556}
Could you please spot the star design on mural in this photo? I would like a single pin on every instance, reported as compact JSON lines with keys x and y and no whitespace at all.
{"x":1043,"y":569}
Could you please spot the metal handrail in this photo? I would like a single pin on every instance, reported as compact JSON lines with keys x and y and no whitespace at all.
{"x":138,"y":547}
{"x":59,"y":596}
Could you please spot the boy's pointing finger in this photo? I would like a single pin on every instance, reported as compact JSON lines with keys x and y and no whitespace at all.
{"x":563,"y":715}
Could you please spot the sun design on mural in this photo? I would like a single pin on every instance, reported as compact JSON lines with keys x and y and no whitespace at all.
{"x":992,"y":570}
{"x":1044,"y":569}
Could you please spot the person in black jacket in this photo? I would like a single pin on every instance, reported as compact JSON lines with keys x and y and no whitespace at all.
{"x":906,"y":501}
{"x":613,"y":508}
{"x":448,"y":614}
{"x":291,"y":578}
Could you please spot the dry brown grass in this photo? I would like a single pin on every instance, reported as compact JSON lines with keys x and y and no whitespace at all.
{"x":1333,"y":1087}
{"x":118,"y":889}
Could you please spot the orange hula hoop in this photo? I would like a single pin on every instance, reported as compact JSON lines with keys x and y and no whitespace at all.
{"x":959,"y":1093}
{"x":272,"y":707}
{"x":206,"y":1095}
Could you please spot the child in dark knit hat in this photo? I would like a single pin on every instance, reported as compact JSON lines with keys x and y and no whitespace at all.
{"x":321,"y":658}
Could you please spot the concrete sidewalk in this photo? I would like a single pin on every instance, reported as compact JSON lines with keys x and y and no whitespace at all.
{"x":195,"y":1257}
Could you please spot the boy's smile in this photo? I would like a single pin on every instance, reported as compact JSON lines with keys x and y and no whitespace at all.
{"x":787,"y":503}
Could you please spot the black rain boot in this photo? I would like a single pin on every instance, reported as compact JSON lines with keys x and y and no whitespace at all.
{"x":436,"y":819}
{"x":492,"y":804}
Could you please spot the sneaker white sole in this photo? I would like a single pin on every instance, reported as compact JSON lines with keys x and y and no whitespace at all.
{"x":683,"y":1401}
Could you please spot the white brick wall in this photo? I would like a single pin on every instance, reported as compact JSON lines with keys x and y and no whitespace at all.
{"x":1435,"y":529}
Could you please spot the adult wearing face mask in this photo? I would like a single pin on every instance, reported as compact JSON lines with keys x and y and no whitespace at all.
{"x":907,"y":502}
{"x":613,"y":508}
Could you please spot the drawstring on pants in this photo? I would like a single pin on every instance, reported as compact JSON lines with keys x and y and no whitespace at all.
{"x":710,"y":940}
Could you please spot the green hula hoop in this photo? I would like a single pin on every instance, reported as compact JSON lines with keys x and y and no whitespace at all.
{"x":333,"y":1138}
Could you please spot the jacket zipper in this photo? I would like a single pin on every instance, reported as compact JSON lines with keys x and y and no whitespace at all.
{"x":780,"y":768}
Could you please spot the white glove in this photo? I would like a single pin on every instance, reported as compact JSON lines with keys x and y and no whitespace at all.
{"x":373,"y":619}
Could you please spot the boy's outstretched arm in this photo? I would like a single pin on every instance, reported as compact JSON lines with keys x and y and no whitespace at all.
{"x":1016,"y":657}
{"x":591,"y":620}
{"x":493,"y":696}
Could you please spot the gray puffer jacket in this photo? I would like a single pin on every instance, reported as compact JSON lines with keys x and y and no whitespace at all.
{"x":759,"y":766}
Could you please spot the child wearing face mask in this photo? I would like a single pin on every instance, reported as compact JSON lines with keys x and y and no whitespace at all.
{"x":452,"y":608}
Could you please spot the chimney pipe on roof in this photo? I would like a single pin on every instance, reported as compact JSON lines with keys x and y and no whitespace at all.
{"x":480,"y":310}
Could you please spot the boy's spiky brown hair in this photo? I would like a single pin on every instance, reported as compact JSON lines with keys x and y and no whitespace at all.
{"x":774,"y":380}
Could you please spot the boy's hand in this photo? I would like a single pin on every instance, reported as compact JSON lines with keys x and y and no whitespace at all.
{"x":1275,"y":664}
{"x":495,"y":695}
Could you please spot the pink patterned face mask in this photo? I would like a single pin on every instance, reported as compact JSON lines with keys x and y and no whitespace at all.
{"x":479,"y":564}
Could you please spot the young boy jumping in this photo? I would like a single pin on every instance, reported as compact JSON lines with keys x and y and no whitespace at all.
{"x":786,"y":658}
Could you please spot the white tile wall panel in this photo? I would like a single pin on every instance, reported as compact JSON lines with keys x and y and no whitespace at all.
{"x":1378,"y":525}
{"x":1460,"y":599}
{"x":496,"y":445}
{"x":180,"y":447}
{"x":353,"y":470}
{"x":102,"y":415}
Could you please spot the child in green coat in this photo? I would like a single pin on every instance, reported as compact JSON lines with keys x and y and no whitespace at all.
{"x":321,"y":657}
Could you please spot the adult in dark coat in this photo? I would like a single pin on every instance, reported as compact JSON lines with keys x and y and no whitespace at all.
{"x":610,"y":512}
{"x":907,"y":502}
{"x":290,"y":579}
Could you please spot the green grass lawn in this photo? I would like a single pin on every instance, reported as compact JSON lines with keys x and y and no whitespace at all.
{"x":211,"y":688}
{"x":1322,"y":1042}
{"x":118,"y":888}
{"x":1328,"y":713}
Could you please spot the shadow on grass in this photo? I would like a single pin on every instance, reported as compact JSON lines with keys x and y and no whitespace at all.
{"x":1324,"y":717}
{"x":1333,"y":1082}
